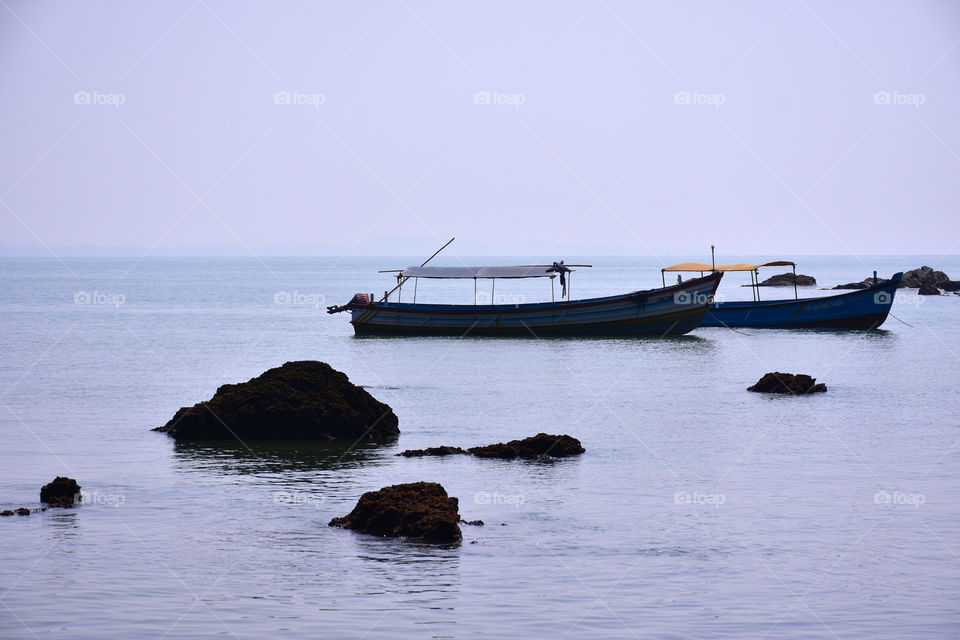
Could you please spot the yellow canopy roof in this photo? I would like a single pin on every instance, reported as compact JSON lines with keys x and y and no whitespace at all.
{"x":741,"y":266}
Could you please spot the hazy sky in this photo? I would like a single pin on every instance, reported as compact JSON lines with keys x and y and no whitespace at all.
{"x":553,"y":127}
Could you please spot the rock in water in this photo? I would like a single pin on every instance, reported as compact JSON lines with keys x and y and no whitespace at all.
{"x":923,"y":275}
{"x":416,"y":511}
{"x":788,"y":383}
{"x":306,"y":400}
{"x":949,"y":285}
{"x":62,"y":492}
{"x":443,"y":450}
{"x":540,"y":445}
{"x":856,"y":285}
{"x":928,"y":289}
{"x":786,"y":280}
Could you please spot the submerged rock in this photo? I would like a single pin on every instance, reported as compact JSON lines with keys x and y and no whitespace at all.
{"x":6,"y":512}
{"x":540,"y":445}
{"x":788,"y":383}
{"x":62,"y":492}
{"x":431,"y":451}
{"x":23,"y":511}
{"x":786,"y":280}
{"x":306,"y":400}
{"x":928,"y":289}
{"x":416,"y":511}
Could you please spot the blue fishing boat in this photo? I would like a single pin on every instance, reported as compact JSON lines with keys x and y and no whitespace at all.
{"x":671,"y":310}
{"x":859,"y":309}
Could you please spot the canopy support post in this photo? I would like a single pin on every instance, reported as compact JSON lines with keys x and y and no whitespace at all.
{"x":415,"y":282}
{"x":474,"y":292}
{"x":756,"y":273}
{"x":553,"y":296}
{"x":795,"y":295}
{"x":663,"y":278}
{"x":493,"y":288}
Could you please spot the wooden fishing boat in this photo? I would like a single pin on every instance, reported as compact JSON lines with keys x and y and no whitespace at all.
{"x":860,"y":309}
{"x":671,"y":310}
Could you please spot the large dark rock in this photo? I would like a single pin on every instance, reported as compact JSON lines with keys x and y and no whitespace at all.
{"x":306,"y":400}
{"x":431,"y":451}
{"x":788,"y":383}
{"x":540,"y":445}
{"x":923,"y":275}
{"x":786,"y":280}
{"x":416,"y":511}
{"x":62,"y":492}
{"x":928,"y":289}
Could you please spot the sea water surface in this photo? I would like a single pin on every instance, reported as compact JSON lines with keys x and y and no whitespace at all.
{"x":698,"y":510}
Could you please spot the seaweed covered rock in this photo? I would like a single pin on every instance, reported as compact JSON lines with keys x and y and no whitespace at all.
{"x":62,"y":492}
{"x":788,"y":383}
{"x":417,"y":511}
{"x":306,"y":400}
{"x":540,"y":445}
{"x":443,"y":450}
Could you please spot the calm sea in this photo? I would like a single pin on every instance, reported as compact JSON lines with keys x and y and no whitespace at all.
{"x":699,"y":510}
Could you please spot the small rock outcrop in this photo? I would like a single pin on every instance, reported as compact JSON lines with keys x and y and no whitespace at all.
{"x":949,"y":285}
{"x":928,"y":289}
{"x":62,"y":492}
{"x":23,"y":511}
{"x":540,"y":445}
{"x":786,"y":280}
{"x":798,"y":384}
{"x":305,"y":400}
{"x":431,"y":451}
{"x":856,"y":285}
{"x":420,"y":511}
{"x":6,"y":512}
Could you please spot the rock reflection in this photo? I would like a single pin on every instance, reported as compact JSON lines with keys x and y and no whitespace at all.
{"x":275,"y":457}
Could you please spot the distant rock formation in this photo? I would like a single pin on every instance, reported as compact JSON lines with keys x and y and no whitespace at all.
{"x":62,"y":492}
{"x":306,"y":400}
{"x":788,"y":383}
{"x":542,"y":445}
{"x":949,"y":285}
{"x":911,"y":280}
{"x":417,"y":511}
{"x":786,"y":280}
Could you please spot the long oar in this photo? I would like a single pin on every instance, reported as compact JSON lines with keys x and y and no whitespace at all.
{"x":400,"y":283}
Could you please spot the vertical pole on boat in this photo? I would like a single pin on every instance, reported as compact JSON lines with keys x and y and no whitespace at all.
{"x":663,"y":278}
{"x":569,"y":284}
{"x":756,"y":279}
{"x":493,"y":289}
{"x":713,"y":258}
{"x":795,"y":295}
{"x":553,"y":296}
{"x":474,"y":292}
{"x":415,"y":282}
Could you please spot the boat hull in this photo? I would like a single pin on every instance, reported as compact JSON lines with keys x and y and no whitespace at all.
{"x":860,"y":309}
{"x":669,"y":311}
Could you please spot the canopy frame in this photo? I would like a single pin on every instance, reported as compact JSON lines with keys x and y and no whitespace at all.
{"x":754,"y":269}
